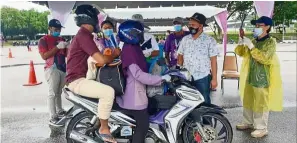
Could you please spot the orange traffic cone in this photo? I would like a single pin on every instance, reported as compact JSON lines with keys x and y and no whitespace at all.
{"x":32,"y":76}
{"x":10,"y":54}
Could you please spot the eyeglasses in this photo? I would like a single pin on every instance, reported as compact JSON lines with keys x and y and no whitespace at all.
{"x":260,"y":25}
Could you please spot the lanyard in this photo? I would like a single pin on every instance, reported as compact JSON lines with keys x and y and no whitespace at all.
{"x":110,"y":42}
{"x":176,"y":44}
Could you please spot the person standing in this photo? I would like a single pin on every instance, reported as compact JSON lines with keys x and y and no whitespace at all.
{"x":260,"y":79}
{"x":198,"y":52}
{"x":172,"y":42}
{"x":52,"y":49}
{"x":150,"y":46}
{"x":2,"y":40}
{"x":168,"y":32}
{"x":28,"y":44}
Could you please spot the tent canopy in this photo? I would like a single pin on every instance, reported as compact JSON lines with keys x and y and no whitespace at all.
{"x":119,"y":11}
{"x":163,"y":16}
{"x":142,"y":4}
{"x":163,"y":13}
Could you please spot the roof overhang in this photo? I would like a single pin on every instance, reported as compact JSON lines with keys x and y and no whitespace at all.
{"x":142,"y":4}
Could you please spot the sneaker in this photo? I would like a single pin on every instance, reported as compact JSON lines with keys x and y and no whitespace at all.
{"x":259,"y":133}
{"x":54,"y":121}
{"x":244,"y":126}
{"x":61,"y":113}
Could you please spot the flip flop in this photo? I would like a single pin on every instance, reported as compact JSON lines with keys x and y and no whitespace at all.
{"x":106,"y":137}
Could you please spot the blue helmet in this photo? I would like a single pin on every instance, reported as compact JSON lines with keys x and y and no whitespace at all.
{"x":131,"y":32}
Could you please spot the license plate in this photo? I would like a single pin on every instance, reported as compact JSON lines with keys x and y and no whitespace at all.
{"x":126,"y":131}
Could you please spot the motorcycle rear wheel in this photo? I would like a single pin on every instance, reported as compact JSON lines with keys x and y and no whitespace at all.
{"x":74,"y":122}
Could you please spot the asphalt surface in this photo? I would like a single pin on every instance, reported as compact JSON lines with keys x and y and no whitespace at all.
{"x":24,"y":114}
{"x":31,"y":127}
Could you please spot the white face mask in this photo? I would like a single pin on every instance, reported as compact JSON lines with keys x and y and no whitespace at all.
{"x":257,"y":32}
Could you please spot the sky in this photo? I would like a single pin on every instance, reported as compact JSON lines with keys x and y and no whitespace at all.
{"x":23,"y":5}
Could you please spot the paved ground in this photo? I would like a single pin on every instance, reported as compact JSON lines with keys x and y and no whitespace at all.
{"x":24,"y":111}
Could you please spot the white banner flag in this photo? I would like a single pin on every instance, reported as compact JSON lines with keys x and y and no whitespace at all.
{"x":61,"y":10}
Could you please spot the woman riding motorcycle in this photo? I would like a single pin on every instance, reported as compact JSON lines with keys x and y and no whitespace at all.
{"x":134,"y":102}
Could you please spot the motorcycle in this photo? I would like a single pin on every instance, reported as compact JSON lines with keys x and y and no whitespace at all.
{"x":187,"y":120}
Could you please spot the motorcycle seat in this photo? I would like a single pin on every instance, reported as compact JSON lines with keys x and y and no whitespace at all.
{"x":88,"y":98}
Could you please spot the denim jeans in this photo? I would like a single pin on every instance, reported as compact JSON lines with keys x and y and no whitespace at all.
{"x":203,"y":86}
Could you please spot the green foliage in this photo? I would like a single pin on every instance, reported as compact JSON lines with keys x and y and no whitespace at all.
{"x":23,"y":22}
{"x":284,"y":9}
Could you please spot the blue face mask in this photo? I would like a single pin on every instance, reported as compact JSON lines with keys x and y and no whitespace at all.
{"x":257,"y":32}
{"x":177,"y":28}
{"x":56,"y":34}
{"x":108,"y":32}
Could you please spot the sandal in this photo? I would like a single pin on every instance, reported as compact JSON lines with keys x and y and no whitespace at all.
{"x":106,"y":137}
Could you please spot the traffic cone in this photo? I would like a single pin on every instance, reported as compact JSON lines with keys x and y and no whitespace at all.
{"x":32,"y":76}
{"x":10,"y":54}
{"x":30,"y":49}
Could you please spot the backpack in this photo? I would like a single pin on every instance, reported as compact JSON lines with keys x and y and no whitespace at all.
{"x":112,"y":76}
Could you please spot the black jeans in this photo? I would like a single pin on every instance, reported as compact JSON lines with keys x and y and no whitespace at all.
{"x":203,"y":86}
{"x":142,"y":124}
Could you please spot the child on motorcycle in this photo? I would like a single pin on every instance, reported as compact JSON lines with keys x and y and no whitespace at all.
{"x":107,"y":42}
{"x":134,"y":102}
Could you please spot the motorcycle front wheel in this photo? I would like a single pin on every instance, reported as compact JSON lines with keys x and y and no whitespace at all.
{"x":216,"y":127}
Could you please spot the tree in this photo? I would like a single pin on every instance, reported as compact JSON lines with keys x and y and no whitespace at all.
{"x":244,"y":9}
{"x":23,"y":22}
{"x":241,"y":9}
{"x":284,"y":11}
{"x":10,"y":23}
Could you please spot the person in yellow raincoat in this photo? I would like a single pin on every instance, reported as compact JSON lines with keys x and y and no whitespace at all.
{"x":260,"y":79}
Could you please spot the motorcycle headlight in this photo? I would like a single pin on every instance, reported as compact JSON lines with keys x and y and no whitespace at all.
{"x":188,"y":93}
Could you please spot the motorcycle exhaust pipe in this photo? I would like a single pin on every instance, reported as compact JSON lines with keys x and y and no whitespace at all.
{"x":79,"y":137}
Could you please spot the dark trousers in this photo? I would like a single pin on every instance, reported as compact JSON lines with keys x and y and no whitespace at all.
{"x":203,"y":86}
{"x":142,"y":124}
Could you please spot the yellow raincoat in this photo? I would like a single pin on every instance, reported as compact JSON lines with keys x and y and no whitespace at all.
{"x":260,"y":80}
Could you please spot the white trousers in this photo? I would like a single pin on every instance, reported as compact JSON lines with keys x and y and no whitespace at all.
{"x":258,"y":120}
{"x":56,"y":81}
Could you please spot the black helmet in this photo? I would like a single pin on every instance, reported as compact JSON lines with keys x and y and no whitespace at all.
{"x":87,"y":14}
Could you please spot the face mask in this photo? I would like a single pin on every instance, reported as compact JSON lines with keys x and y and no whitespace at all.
{"x":177,"y":28}
{"x":167,"y":34}
{"x":193,"y":31}
{"x":56,"y":34}
{"x":108,"y":32}
{"x":257,"y":32}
